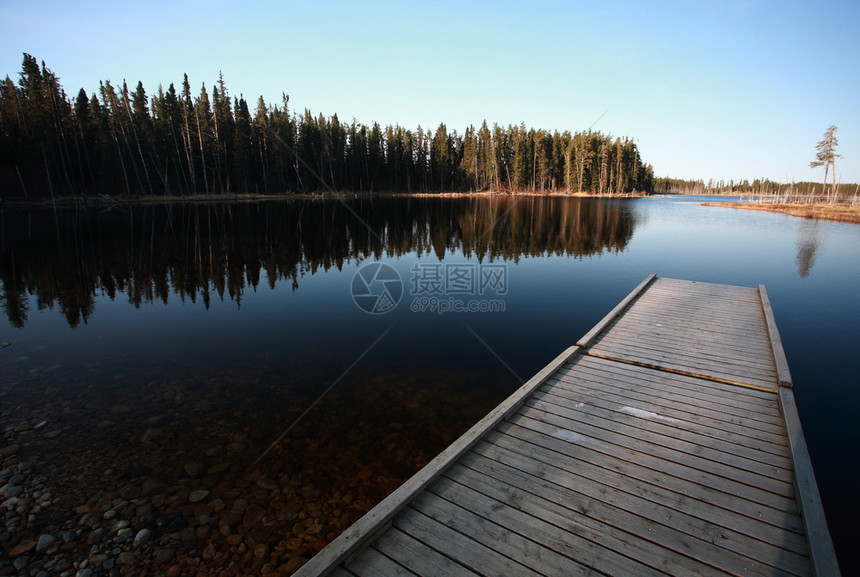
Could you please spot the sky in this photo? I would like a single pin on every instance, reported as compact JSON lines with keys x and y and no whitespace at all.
{"x":736,"y":89}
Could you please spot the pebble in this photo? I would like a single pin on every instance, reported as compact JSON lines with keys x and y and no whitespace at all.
{"x":150,"y":435}
{"x":9,"y":490}
{"x":22,"y":548}
{"x":261,"y":551}
{"x":96,"y":536}
{"x":198,"y":495}
{"x":21,"y":562}
{"x":151,"y":486}
{"x":125,"y":536}
{"x":165,"y":556}
{"x":97,"y":560}
{"x":253,"y":515}
{"x":44,"y":542}
{"x":293,"y":565}
{"x":143,"y":536}
{"x":195,"y":468}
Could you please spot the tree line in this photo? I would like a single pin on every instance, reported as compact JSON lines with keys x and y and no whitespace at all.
{"x":123,"y":141}
{"x":756,"y":187}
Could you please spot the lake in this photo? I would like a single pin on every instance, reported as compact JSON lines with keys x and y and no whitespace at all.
{"x":245,"y":380}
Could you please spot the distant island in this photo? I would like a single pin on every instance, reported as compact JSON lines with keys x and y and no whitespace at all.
{"x":129,"y":144}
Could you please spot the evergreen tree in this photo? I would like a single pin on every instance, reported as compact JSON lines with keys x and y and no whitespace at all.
{"x":826,"y":156}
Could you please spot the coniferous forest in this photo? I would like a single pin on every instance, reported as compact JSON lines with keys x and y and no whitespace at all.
{"x":125,"y":142}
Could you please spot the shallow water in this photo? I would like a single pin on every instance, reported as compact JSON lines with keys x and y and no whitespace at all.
{"x":158,"y":351}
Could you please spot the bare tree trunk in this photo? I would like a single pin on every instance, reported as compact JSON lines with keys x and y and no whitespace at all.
{"x":202,"y":154}
{"x":137,"y":141}
{"x":178,"y":155}
{"x":186,"y":143}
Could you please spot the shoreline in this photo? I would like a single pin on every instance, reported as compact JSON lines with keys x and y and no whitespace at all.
{"x":106,"y":201}
{"x":816,"y":211}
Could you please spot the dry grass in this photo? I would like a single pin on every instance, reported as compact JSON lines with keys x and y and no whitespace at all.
{"x":838,"y":212}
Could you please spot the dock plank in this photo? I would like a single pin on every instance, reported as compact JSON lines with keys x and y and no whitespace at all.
{"x":670,"y":431}
{"x":419,"y":557}
{"x":654,"y":536}
{"x":457,"y":547}
{"x":759,"y":447}
{"x":632,"y":491}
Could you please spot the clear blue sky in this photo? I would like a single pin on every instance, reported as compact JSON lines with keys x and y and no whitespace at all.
{"x":729,"y":89}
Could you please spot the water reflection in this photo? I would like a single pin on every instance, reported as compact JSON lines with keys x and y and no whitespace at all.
{"x":67,"y":258}
{"x":807,"y":247}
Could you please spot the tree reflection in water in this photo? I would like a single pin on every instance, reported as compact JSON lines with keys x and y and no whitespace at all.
{"x":68,"y":257}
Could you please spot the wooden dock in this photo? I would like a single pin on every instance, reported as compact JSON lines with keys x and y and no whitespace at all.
{"x":666,"y":442}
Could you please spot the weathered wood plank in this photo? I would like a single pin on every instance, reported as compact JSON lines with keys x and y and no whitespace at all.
{"x":741,"y":316}
{"x":664,"y":539}
{"x":820,"y":544}
{"x":669,"y":424}
{"x":683,"y":391}
{"x":784,"y":374}
{"x":741,"y":417}
{"x":671,"y":337}
{"x":720,"y":361}
{"x":420,"y":558}
{"x":575,"y":545}
{"x":673,"y":475}
{"x":678,"y":335}
{"x":674,"y":456}
{"x":705,"y":354}
{"x":639,"y":492}
{"x":759,"y":446}
{"x":372,"y":563}
{"x":473,"y":549}
{"x":701,"y":300}
{"x":665,"y":365}
{"x":586,"y":340}
{"x":692,"y":390}
{"x":745,"y":315}
{"x":711,"y":289}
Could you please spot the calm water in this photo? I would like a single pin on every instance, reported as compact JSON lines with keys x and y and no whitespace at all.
{"x":142,"y":342}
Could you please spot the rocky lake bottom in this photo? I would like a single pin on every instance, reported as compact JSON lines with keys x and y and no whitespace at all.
{"x":160,"y":478}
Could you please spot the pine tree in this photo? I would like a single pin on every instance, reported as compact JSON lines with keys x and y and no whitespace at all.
{"x":826,"y":156}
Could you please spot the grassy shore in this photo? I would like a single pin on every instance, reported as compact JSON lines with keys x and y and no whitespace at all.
{"x":842,"y":212}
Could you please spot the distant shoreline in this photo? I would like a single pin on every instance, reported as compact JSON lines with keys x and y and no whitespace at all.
{"x":818,"y":211}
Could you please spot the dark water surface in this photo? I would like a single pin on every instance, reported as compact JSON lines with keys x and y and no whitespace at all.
{"x":153,"y":354}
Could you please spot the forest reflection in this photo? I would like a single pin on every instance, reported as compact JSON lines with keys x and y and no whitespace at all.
{"x":67,"y":258}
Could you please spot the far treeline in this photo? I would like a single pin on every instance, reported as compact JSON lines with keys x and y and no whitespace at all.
{"x":758,"y":187}
{"x":121,"y":142}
